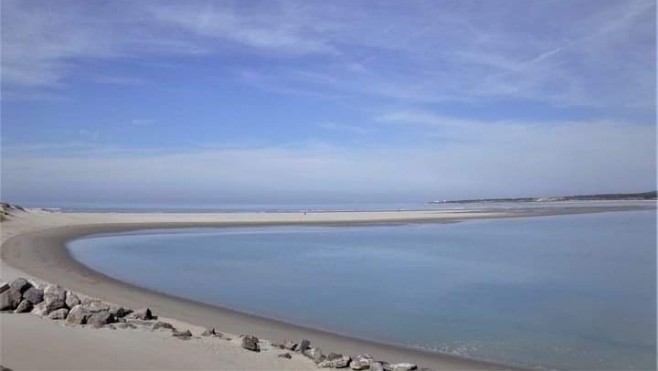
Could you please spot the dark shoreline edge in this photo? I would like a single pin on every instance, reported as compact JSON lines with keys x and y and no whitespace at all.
{"x":48,"y":249}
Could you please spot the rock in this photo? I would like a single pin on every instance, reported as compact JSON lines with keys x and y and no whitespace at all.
{"x":58,"y":313}
{"x":3,"y":368}
{"x":250,"y":342}
{"x":126,"y":325}
{"x":334,"y":360}
{"x":303,"y":346}
{"x":276,"y":344}
{"x":55,"y":297}
{"x":33,"y":295}
{"x":78,"y":315}
{"x":9,"y":300}
{"x":40,"y":309}
{"x":211,"y":332}
{"x":315,"y":354}
{"x":100,"y":319}
{"x":361,"y":362}
{"x":376,"y":366}
{"x":71,"y":299}
{"x":23,"y":307}
{"x":4,"y":286}
{"x":403,"y":367}
{"x":183,"y":335}
{"x":95,"y":305}
{"x":290,"y":345}
{"x":285,"y":355}
{"x":143,"y":314}
{"x":20,"y":284}
{"x":118,"y":311}
{"x":163,"y":325}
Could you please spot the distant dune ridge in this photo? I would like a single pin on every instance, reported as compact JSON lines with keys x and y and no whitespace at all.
{"x":595,"y":197}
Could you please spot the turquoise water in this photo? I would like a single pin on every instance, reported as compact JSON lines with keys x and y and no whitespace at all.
{"x":575,"y":292}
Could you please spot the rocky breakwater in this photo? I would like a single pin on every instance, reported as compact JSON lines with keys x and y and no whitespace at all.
{"x":56,"y":303}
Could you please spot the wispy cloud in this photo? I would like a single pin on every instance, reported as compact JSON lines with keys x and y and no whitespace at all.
{"x":415,"y":52}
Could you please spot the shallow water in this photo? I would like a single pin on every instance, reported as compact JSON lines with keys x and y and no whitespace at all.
{"x":574,"y":292}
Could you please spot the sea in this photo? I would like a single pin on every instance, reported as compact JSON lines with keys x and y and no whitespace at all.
{"x":551,"y":292}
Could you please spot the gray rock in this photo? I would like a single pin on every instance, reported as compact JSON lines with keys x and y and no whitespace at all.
{"x":163,"y":325}
{"x":211,"y":332}
{"x":303,"y":346}
{"x":71,"y":299}
{"x":9,"y":300}
{"x":250,"y":342}
{"x":95,"y":305}
{"x":118,"y":311}
{"x":20,"y":284}
{"x":289,"y":345}
{"x":3,"y":368}
{"x":4,"y":286}
{"x":285,"y":355}
{"x":55,"y":298}
{"x":143,"y":314}
{"x":40,"y":309}
{"x":58,"y":313}
{"x":125,"y":325}
{"x":361,"y":362}
{"x":315,"y":354}
{"x":376,"y":366}
{"x":334,"y":360}
{"x":100,"y":319}
{"x":78,"y":315}
{"x":183,"y":335}
{"x":276,"y":344}
{"x":403,"y":367}
{"x":23,"y":307}
{"x":33,"y":295}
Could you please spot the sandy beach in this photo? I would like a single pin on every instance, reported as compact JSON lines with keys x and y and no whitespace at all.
{"x":33,"y":246}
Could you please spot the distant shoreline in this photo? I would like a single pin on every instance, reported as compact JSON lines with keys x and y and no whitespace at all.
{"x":645,"y":196}
{"x":38,"y":248}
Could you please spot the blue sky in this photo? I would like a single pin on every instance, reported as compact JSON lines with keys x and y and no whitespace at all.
{"x":339,"y":101}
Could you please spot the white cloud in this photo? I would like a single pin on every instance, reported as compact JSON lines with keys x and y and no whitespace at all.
{"x":562,"y":53}
{"x":493,"y":160}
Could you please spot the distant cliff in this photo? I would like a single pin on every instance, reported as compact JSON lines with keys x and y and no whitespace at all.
{"x":600,"y":197}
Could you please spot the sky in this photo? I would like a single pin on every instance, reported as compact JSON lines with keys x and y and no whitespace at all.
{"x":200,"y":102}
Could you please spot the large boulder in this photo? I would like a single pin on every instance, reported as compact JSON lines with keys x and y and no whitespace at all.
{"x":376,"y":366}
{"x":95,"y":305}
{"x":315,"y":354}
{"x":78,"y":315}
{"x":4,"y":286}
{"x":100,"y":319}
{"x":58,"y":314}
{"x":71,"y":299}
{"x":144,"y":314}
{"x":118,"y":311}
{"x":334,"y":360}
{"x":20,"y":284}
{"x":40,"y":309}
{"x":24,"y":307}
{"x":34,"y":295}
{"x":9,"y":300}
{"x":250,"y":342}
{"x":55,"y":297}
{"x":302,"y":346}
{"x":361,"y":362}
{"x":403,"y":367}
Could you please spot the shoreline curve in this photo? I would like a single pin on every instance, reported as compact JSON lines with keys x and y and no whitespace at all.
{"x":44,"y":254}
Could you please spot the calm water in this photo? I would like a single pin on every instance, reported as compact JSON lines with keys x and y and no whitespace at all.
{"x":557,"y":292}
